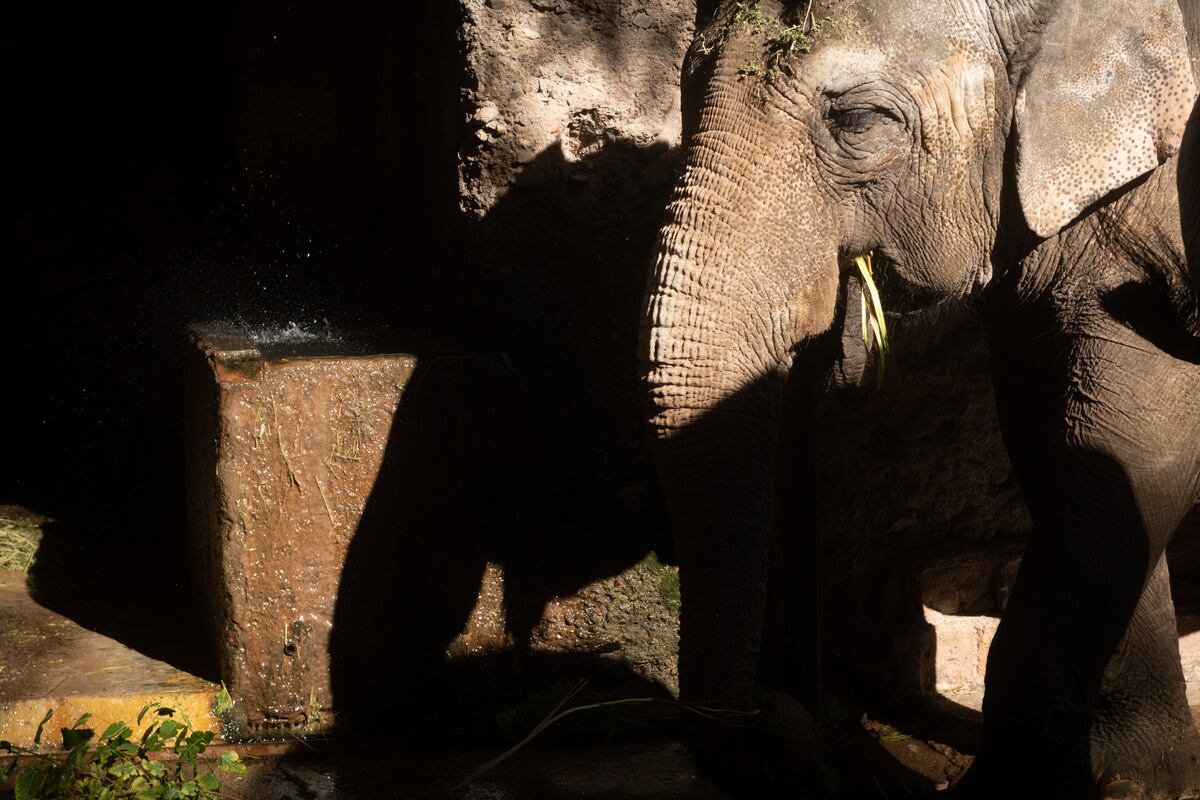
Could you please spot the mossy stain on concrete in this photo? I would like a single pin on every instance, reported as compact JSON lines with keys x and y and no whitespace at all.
{"x":668,"y":581}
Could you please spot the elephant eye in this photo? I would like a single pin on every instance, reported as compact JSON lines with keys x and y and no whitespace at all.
{"x":855,"y":120}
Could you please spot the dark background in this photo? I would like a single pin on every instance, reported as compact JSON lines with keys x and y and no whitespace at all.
{"x":172,"y":163}
{"x":271,"y":163}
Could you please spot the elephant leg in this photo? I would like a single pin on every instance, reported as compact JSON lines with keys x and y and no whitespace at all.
{"x":1143,"y":737}
{"x":1101,"y":429}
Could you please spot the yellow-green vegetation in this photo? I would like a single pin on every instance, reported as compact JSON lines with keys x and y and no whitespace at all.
{"x":668,"y":581}
{"x":782,"y":38}
{"x":874,"y":326}
{"x":19,"y":541}
{"x":162,"y":764}
{"x":886,"y":733}
{"x":782,"y":41}
{"x":224,"y":703}
{"x":314,"y":717}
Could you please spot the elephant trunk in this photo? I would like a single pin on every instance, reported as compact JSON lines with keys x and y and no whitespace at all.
{"x":732,"y":293}
{"x":716,"y":474}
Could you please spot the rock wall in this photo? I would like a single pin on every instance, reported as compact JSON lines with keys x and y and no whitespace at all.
{"x":558,"y":90}
{"x":918,"y":504}
{"x":570,"y":123}
{"x":569,"y":128}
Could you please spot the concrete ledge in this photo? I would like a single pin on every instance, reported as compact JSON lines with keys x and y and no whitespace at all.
{"x":51,"y":662}
{"x":1189,"y":653}
{"x":963,"y":641}
{"x":960,"y":658}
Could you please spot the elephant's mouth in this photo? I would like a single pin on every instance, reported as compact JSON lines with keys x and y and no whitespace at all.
{"x":900,"y":298}
{"x":900,"y":295}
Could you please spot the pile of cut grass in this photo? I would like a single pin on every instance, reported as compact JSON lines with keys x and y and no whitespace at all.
{"x":19,"y":542}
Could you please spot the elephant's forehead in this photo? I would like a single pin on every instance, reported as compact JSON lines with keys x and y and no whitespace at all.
{"x":917,"y":34}
{"x":926,"y":26}
{"x":905,"y":46}
{"x":839,"y":68}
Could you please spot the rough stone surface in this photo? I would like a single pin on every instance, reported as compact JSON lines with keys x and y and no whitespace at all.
{"x":631,"y":618}
{"x":568,"y":79}
{"x":963,"y":642}
{"x":961,"y":655}
{"x":284,"y":452}
{"x":1189,"y":653}
{"x":570,"y":125}
{"x":916,"y":504}
{"x":962,"y":594}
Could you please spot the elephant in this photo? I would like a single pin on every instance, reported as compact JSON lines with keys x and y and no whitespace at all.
{"x":1021,"y":154}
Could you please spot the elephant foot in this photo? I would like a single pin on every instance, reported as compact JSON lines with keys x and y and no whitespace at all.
{"x":772,"y":753}
{"x":1128,"y":768}
{"x":1024,"y":777}
{"x":1162,"y":765}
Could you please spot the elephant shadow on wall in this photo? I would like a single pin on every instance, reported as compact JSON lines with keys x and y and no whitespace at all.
{"x":516,"y":461}
{"x":452,"y":498}
{"x":523,"y":447}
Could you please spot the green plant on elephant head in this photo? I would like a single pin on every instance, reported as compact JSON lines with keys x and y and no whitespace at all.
{"x":945,"y":137}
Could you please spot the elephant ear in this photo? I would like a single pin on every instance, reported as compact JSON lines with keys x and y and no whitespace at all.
{"x":1103,"y":101}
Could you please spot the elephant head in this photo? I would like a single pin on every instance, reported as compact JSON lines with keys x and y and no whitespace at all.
{"x":820,"y":130}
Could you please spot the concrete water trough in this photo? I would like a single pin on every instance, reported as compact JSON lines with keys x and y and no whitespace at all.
{"x":285,"y":437}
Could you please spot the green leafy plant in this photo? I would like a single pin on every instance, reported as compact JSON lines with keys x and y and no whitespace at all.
{"x":162,"y":764}
{"x":224,"y":702}
{"x":781,"y":40}
{"x":19,"y":541}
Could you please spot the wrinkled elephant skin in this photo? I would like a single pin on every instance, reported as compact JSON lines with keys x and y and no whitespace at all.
{"x":976,"y":148}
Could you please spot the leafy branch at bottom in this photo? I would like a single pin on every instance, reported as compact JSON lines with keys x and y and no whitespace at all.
{"x":117,"y":766}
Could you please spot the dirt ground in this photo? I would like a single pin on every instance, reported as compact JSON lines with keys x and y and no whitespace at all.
{"x":865,"y":758}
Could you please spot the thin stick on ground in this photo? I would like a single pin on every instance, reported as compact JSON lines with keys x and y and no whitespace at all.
{"x":552,"y":718}
{"x":557,"y":714}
